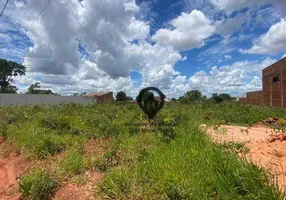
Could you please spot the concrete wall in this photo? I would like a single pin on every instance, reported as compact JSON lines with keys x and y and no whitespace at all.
{"x":33,"y":99}
{"x":274,"y":84}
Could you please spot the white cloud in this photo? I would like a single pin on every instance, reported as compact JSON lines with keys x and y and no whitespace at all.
{"x":108,"y":28}
{"x":283,"y":56}
{"x":118,"y":42}
{"x":240,"y":77}
{"x":190,"y":31}
{"x":272,"y":42}
{"x":233,"y":5}
{"x":227,"y":57}
{"x":229,"y":26}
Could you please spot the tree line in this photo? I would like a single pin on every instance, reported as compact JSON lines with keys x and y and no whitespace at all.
{"x":193,"y":96}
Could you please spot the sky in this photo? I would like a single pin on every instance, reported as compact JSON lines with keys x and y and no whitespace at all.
{"x":75,"y":46}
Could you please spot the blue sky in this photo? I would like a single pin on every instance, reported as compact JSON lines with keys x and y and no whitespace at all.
{"x":96,"y":45}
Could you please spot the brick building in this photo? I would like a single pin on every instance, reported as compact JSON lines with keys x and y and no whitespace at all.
{"x":254,"y":98}
{"x":274,"y":87}
{"x":274,"y":84}
{"x":102,"y":97}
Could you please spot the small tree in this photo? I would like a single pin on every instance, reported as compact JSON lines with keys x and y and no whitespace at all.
{"x":193,"y":96}
{"x":121,"y":96}
{"x":36,"y":89}
{"x":8,"y":70}
{"x":218,"y":98}
{"x":11,"y":89}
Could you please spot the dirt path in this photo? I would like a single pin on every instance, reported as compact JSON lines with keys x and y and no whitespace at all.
{"x":266,"y":148}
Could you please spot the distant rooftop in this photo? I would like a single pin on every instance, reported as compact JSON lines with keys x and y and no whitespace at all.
{"x":98,"y":93}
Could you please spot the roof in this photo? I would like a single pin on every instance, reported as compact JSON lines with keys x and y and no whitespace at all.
{"x":283,"y":60}
{"x":98,"y":93}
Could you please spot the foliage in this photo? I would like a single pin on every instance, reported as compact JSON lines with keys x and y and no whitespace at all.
{"x":166,"y":158}
{"x":73,"y":163}
{"x":8,"y":70}
{"x":11,"y":89}
{"x":193,"y":96}
{"x":218,"y":98}
{"x":37,"y":185}
{"x":36,"y":89}
{"x":80,"y":94}
{"x":121,"y":96}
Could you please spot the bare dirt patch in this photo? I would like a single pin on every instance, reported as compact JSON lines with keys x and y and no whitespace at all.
{"x":83,"y":191}
{"x":266,"y":147}
{"x":12,"y":166}
{"x":97,"y":146}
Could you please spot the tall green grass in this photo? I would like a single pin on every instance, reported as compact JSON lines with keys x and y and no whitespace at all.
{"x":174,"y":162}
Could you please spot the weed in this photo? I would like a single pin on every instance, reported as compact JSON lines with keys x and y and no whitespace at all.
{"x":37,"y":185}
{"x":235,"y":147}
{"x":73,"y":164}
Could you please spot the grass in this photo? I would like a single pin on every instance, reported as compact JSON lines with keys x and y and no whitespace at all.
{"x":37,"y":185}
{"x":73,"y":164}
{"x":175,"y":160}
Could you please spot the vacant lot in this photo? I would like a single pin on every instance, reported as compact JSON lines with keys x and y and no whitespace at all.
{"x":112,"y":152}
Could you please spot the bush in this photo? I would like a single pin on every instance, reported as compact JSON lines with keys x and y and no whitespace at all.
{"x":42,"y":146}
{"x":73,"y":164}
{"x":37,"y":185}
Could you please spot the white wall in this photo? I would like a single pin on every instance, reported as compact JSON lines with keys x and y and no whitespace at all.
{"x":32,"y":99}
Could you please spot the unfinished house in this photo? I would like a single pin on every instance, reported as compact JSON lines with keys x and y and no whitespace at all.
{"x":274,"y":84}
{"x":274,"y":87}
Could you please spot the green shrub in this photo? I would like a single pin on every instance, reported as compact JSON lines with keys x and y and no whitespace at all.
{"x":37,"y":185}
{"x":43,"y":145}
{"x":73,"y":164}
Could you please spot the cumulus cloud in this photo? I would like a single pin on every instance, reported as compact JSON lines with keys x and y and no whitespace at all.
{"x":189,"y":31}
{"x":237,"y":78}
{"x":233,"y":5}
{"x":115,"y":40}
{"x":272,"y":42}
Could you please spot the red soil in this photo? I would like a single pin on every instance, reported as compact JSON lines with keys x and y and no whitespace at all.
{"x":266,"y":147}
{"x":80,"y":192}
{"x":12,"y":167}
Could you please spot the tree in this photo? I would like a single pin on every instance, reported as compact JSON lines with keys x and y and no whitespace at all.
{"x":36,"y":89}
{"x":8,"y":70}
{"x":121,"y":96}
{"x":79,"y":94}
{"x":218,"y":98}
{"x":11,"y":89}
{"x":193,"y":96}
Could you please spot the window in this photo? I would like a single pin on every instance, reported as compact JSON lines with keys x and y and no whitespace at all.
{"x":276,"y":79}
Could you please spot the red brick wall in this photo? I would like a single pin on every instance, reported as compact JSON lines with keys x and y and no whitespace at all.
{"x":254,"y":98}
{"x":242,"y":100}
{"x":274,"y":92}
